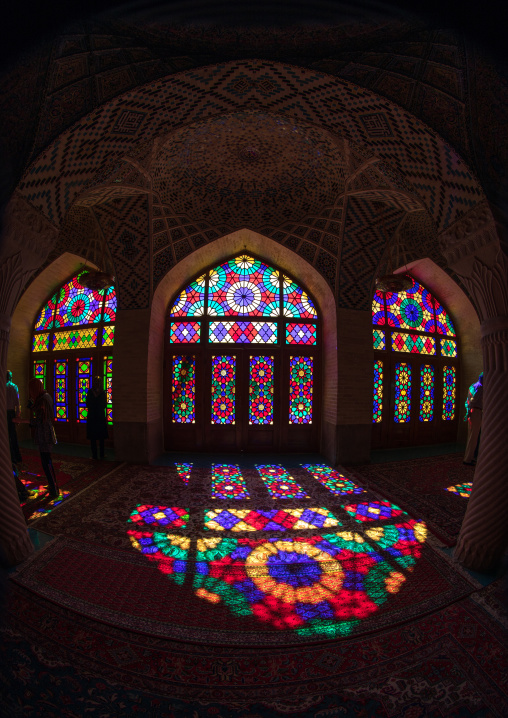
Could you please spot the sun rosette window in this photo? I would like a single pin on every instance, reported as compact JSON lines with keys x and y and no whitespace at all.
{"x":415,"y":367}
{"x":75,"y":319}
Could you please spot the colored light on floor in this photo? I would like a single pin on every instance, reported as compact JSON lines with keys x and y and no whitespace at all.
{"x":279,"y":482}
{"x":461,"y":489}
{"x":271,"y":520}
{"x":167,"y":550}
{"x":168,"y":517}
{"x":228,"y":482}
{"x":48,"y":508}
{"x":374,"y":511}
{"x":333,"y":481}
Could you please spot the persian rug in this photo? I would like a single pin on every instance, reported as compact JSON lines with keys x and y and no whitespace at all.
{"x":60,"y":664}
{"x":302,"y":555}
{"x":72,"y":473}
{"x":424,"y":488}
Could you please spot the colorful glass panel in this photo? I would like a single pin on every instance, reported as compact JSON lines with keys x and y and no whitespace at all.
{"x":168,"y":517}
{"x":223,"y":389}
{"x":271,"y":520}
{"x":184,"y":472}
{"x":301,"y":334}
{"x":444,"y":324}
{"x":110,"y":304}
{"x":412,"y":309}
{"x":336,"y":483}
{"x":40,"y":343}
{"x":61,"y":399}
{"x":108,"y":387}
{"x":378,"y":308}
{"x":228,"y":482}
{"x":108,"y":335}
{"x":300,"y":389}
{"x":279,"y":483}
{"x":449,"y":392}
{"x":378,"y":337}
{"x":39,"y":371}
{"x":191,"y":302}
{"x":243,"y":332}
{"x":184,"y":332}
{"x":170,"y":552}
{"x":461,"y":489}
{"x":77,"y":305}
{"x":448,"y":347}
{"x":413,"y":343}
{"x":45,"y":317}
{"x":261,"y":390}
{"x":296,"y":304}
{"x":426,"y":392}
{"x":377,"y":414}
{"x":83,"y":383}
{"x":183,"y":390}
{"x":402,"y":393}
{"x":244,"y":286}
{"x":75,"y":339}
{"x":374,"y":511}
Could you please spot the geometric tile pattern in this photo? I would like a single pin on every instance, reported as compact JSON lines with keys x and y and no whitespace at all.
{"x":271,"y":520}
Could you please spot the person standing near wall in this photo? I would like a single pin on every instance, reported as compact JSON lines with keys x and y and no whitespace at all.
{"x":44,"y":436}
{"x":13,"y":412}
{"x":474,"y":412}
{"x":96,"y":422}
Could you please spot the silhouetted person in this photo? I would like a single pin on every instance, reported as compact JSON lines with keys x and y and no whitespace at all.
{"x":41,"y":405}
{"x":96,"y":422}
{"x":474,"y":412}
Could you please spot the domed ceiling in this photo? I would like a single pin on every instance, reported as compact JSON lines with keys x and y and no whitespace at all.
{"x":249,"y":169}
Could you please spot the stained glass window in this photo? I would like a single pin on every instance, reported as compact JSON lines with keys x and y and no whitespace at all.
{"x":191,"y":302}
{"x":378,"y":309}
{"x":75,"y":339}
{"x":280,"y":483}
{"x":40,"y":342}
{"x":108,"y":387}
{"x":443,"y":322}
{"x":61,"y":398}
{"x":426,"y":392}
{"x":44,"y":320}
{"x":448,"y":347}
{"x":270,"y":520}
{"x":228,"y":482}
{"x":332,"y":480}
{"x":261,"y":390}
{"x":77,"y":305}
{"x":39,"y":371}
{"x":413,"y":343}
{"x":378,"y":392}
{"x":223,"y":389}
{"x":301,"y":334}
{"x":184,"y":389}
{"x":243,"y":332}
{"x":402,"y":393}
{"x":110,"y":303}
{"x":300,"y":389}
{"x":244,"y":286}
{"x":108,"y":335}
{"x":184,"y":332}
{"x":412,"y":309}
{"x":449,"y":392}
{"x":378,"y":337}
{"x":296,"y":303}
{"x":83,"y":383}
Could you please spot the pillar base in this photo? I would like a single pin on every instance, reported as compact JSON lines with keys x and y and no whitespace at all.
{"x":16,"y":550}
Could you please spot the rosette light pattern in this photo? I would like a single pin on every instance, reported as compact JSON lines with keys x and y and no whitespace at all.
{"x":261,"y":390}
{"x":402,"y":393}
{"x":426,"y":392}
{"x":168,"y":551}
{"x":336,"y":483}
{"x":279,"y":482}
{"x":183,"y":392}
{"x":184,"y":471}
{"x":228,"y":482}
{"x":223,"y":389}
{"x":374,"y":511}
{"x":244,"y":286}
{"x":301,"y":369}
{"x":449,"y":392}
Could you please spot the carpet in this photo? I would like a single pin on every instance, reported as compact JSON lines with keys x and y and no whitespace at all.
{"x":72,"y":473}
{"x":63,"y":665}
{"x":422,"y":487}
{"x":149,"y":549}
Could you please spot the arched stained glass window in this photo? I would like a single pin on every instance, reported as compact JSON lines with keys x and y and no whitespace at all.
{"x":245,"y":326}
{"x":73,"y":336}
{"x":415,"y":339}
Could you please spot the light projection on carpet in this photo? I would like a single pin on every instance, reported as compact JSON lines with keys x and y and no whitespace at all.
{"x":426,"y":393}
{"x":449,"y":392}
{"x":296,"y":303}
{"x":243,"y":332}
{"x":279,"y":482}
{"x":184,"y":332}
{"x":191,"y":302}
{"x":61,"y":390}
{"x":402,"y":411}
{"x":183,"y":390}
{"x":83,"y":383}
{"x":461,"y":489}
{"x":184,"y":472}
{"x":374,"y":511}
{"x":336,"y":483}
{"x":228,"y":482}
{"x":301,"y":370}
{"x":271,"y":520}
{"x":261,"y":390}
{"x":244,"y":286}
{"x":377,"y":414}
{"x":42,"y":511}
{"x":223,"y":389}
{"x":169,"y":551}
{"x":168,"y":517}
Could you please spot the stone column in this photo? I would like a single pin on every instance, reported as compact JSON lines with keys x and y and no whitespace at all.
{"x":473,"y":249}
{"x":25,"y":243}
